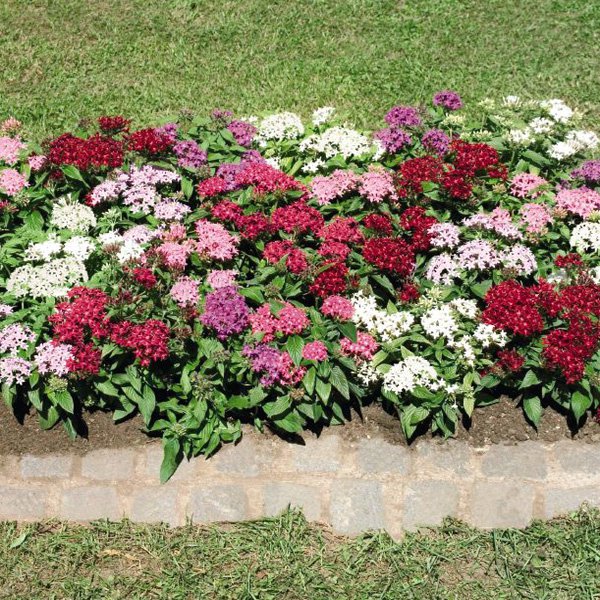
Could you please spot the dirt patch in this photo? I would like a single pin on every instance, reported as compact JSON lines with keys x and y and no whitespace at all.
{"x":29,"y":438}
{"x":502,"y":422}
{"x":499,"y":423}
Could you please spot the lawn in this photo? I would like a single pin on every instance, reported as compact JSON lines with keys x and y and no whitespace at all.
{"x":65,"y":60}
{"x":285,"y":558}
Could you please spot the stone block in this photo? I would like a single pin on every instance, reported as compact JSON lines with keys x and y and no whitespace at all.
{"x":214,"y":503}
{"x":108,"y":465}
{"x":278,"y":496}
{"x":525,"y":460}
{"x":318,"y":455}
{"x":356,"y":506}
{"x":379,"y":456}
{"x":446,"y":459}
{"x":57,"y":466}
{"x":562,"y":501}
{"x":22,"y":503}
{"x":427,"y":503}
{"x":576,"y":458}
{"x":155,"y":504}
{"x":89,"y":503}
{"x":502,"y":504}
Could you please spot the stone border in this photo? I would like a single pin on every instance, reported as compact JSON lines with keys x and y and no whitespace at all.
{"x":352,"y":486}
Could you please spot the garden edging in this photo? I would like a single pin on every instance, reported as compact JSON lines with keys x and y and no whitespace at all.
{"x":351,"y":485}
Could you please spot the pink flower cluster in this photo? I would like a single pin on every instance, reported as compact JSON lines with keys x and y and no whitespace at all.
{"x":338,"y":307}
{"x":185,"y":292}
{"x":499,"y":221}
{"x":290,"y":320}
{"x":9,"y":149}
{"x":375,"y":185}
{"x":364,"y":348}
{"x":15,"y":337}
{"x":581,"y":201}
{"x":527,"y":185}
{"x":53,"y":357}
{"x":221,"y":279}
{"x":12,"y":182}
{"x":215,"y":241}
{"x":535,"y":217}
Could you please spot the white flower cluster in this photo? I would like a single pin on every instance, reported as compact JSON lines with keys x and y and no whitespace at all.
{"x":280,"y":126}
{"x":586,"y":236}
{"x":575,"y":141}
{"x":386,"y":326}
{"x":72,"y":215}
{"x":557,"y":109}
{"x":439,"y":322}
{"x":78,"y":247}
{"x":367,"y":374}
{"x":541,"y":125}
{"x":126,"y":249}
{"x":488,"y":336}
{"x":465,"y":308}
{"x":52,"y":279}
{"x":323,"y":115}
{"x":520,"y":137}
{"x":313,"y":166}
{"x":412,"y":372}
{"x":338,"y":140}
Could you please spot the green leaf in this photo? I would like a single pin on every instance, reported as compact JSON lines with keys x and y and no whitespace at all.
{"x":278,"y":407}
{"x":533,"y":409}
{"x":340,"y":382}
{"x":147,"y":404}
{"x":72,"y":173}
{"x":292,"y":423}
{"x":172,"y":456}
{"x":108,"y":389}
{"x":469,"y":404}
{"x":348,"y":330}
{"x":64,"y":400}
{"x":529,"y":380}
{"x":253,"y":293}
{"x":579,"y":404}
{"x":294,"y":346}
{"x":187,"y":187}
{"x":257,"y":395}
{"x":309,"y":380}
{"x":323,"y":389}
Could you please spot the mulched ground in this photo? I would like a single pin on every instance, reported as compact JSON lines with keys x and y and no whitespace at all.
{"x":500,"y":423}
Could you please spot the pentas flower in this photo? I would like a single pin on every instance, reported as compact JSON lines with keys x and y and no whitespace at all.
{"x":527,"y":185}
{"x":14,"y":370}
{"x":253,"y":226}
{"x":316,"y":351}
{"x":410,"y":373}
{"x":296,"y":260}
{"x":15,"y":337}
{"x":331,"y":281}
{"x":220,"y":279}
{"x":10,"y":126}
{"x":390,"y":254}
{"x":377,"y":186}
{"x":149,"y":341}
{"x":185,"y":292}
{"x":215,"y":241}
{"x":335,"y":250}
{"x":581,"y":201}
{"x":499,"y":220}
{"x":414,"y":172}
{"x":520,"y":259}
{"x":5,"y":310}
{"x":510,"y":360}
{"x":12,"y":182}
{"x":378,"y":223}
{"x":335,"y":186}
{"x":444,"y":235}
{"x":10,"y":149}
{"x":298,"y":217}
{"x":477,"y":255}
{"x":144,"y":277}
{"x":171,"y":211}
{"x":586,"y":236}
{"x":37,"y":162}
{"x":338,"y":307}
{"x":114,"y":125}
{"x":535,"y":217}
{"x":589,"y":171}
{"x":150,"y":141}
{"x":243,"y":132}
{"x":512,"y":307}
{"x":53,"y":358}
{"x":265,"y":179}
{"x":211,"y":187}
{"x":342,"y":229}
{"x":392,"y":139}
{"x":189,"y":154}
{"x":289,"y":320}
{"x":335,"y":141}
{"x":226,"y":312}
{"x":364,"y":348}
{"x":403,"y":116}
{"x":436,"y":141}
{"x":439,"y":322}
{"x":448,"y":99}
{"x":278,"y":367}
{"x":415,"y":220}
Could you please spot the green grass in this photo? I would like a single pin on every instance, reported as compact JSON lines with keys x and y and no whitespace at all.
{"x":285,"y":558}
{"x":62,"y":60}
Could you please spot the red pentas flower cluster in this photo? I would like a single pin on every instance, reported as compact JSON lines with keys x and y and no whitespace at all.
{"x":149,"y":141}
{"x":418,"y":223}
{"x":144,"y":277}
{"x":82,"y":320}
{"x":95,"y":152}
{"x":298,"y":217}
{"x":378,"y":223}
{"x":250,"y":226}
{"x":113,"y":125}
{"x":416,"y":171}
{"x":333,"y":280}
{"x":295,"y":261}
{"x":342,"y":229}
{"x":266,"y":179}
{"x":390,"y":254}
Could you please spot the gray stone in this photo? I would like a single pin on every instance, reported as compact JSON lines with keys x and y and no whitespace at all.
{"x":356,"y":506}
{"x":502,"y":504}
{"x":248,"y":458}
{"x":108,"y":465}
{"x":278,"y":496}
{"x":186,"y":471}
{"x":155,"y":504}
{"x":562,"y":501}
{"x":22,"y":503}
{"x":379,"y":456}
{"x":57,"y":466}
{"x":89,"y":503}
{"x":577,"y":457}
{"x":218,"y":503}
{"x":318,"y":455}
{"x":526,"y":460}
{"x":427,"y":503}
{"x":447,"y":459}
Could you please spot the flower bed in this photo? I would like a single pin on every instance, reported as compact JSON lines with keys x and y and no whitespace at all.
{"x":219,"y":270}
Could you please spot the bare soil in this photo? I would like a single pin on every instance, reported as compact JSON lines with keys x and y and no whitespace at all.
{"x":502,"y":422}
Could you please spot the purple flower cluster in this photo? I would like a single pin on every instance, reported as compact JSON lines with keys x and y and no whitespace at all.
{"x":403,"y":116}
{"x":264,"y":359}
{"x":169,"y":130}
{"x":225,"y":311}
{"x":393,"y":140}
{"x":448,"y":99}
{"x":589,"y":171}
{"x":243,"y":132}
{"x":436,"y":141}
{"x":189,"y":154}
